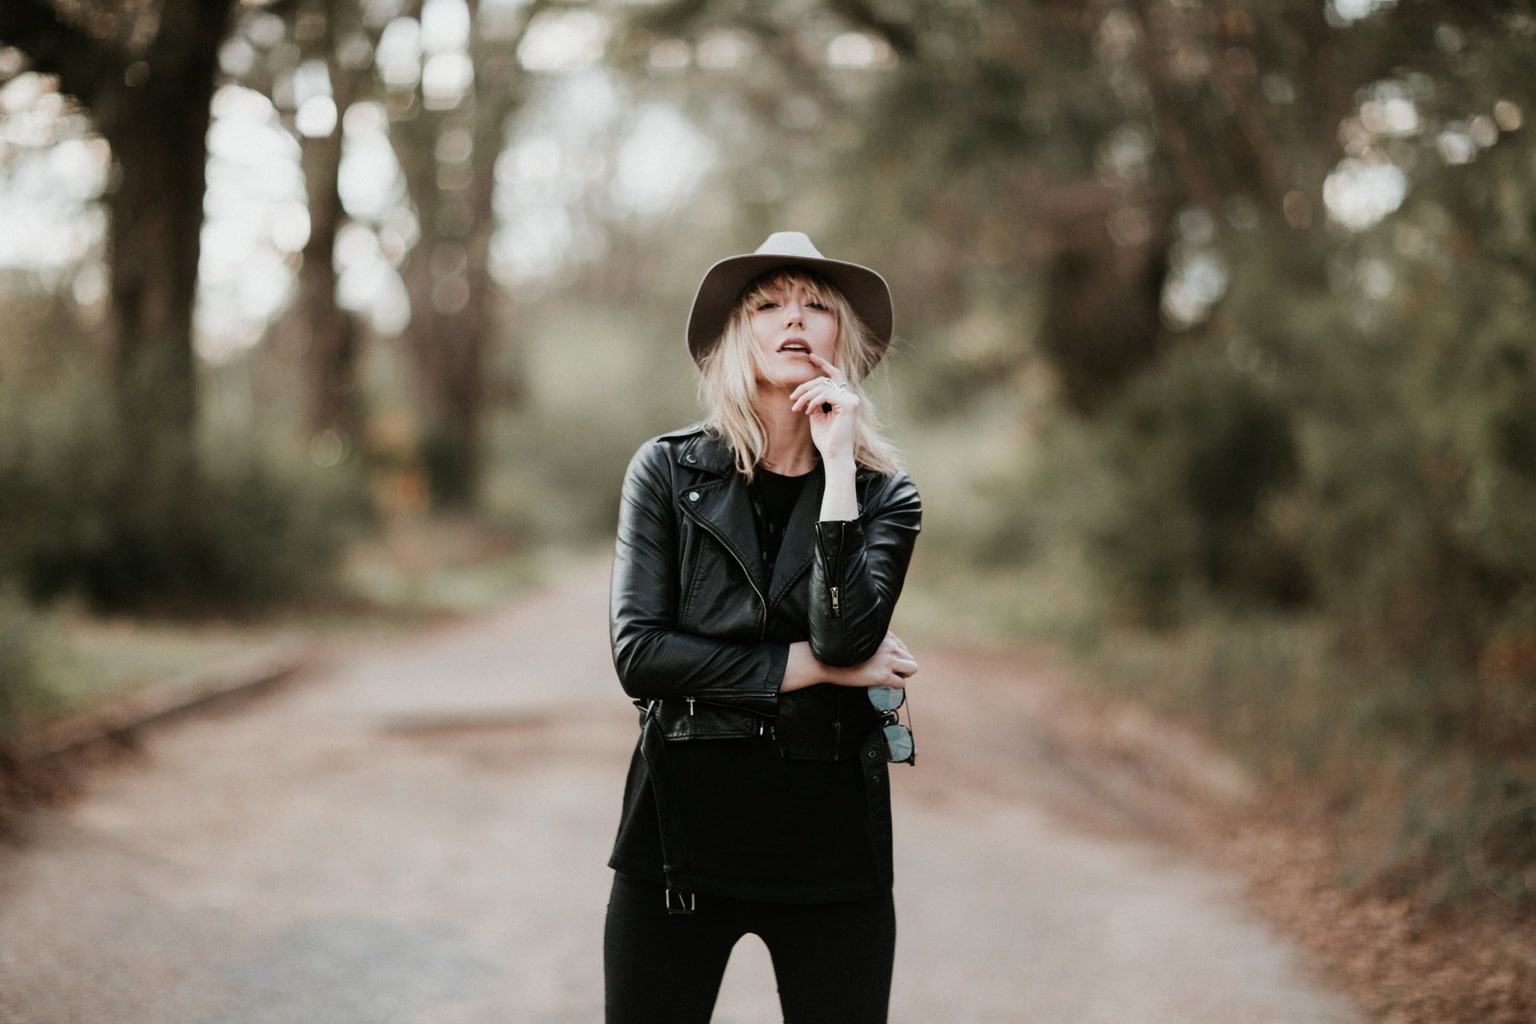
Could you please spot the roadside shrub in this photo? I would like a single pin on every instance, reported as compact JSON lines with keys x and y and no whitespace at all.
{"x":19,"y":671}
{"x":1374,"y":458}
{"x":1198,"y":453}
{"x":30,"y":638}
{"x":248,"y":528}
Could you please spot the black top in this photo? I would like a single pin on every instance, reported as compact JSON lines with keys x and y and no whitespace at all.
{"x":773,"y":501}
{"x":800,"y":823}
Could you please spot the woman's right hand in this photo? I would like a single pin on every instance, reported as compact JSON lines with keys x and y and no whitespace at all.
{"x":891,"y":665}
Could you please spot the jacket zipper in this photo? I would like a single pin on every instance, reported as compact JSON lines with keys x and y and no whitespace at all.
{"x":837,"y":602}
{"x":762,"y":629}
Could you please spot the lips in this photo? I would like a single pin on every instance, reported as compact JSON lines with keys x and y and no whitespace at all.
{"x":795,"y":346}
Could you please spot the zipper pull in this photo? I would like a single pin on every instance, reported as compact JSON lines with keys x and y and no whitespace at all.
{"x":690,"y":706}
{"x":837,"y":601}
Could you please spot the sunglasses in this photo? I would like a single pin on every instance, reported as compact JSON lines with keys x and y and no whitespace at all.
{"x":898,"y":737}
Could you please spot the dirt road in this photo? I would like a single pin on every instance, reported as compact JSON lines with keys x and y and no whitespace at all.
{"x":417,"y":834}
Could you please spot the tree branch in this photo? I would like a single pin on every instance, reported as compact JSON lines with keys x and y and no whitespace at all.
{"x":58,"y":47}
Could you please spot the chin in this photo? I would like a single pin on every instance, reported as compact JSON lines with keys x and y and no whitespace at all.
{"x":788,"y":378}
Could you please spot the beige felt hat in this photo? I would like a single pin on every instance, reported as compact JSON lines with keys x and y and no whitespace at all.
{"x":724,"y":282}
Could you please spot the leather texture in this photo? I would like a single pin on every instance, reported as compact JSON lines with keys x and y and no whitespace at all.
{"x":700,"y":637}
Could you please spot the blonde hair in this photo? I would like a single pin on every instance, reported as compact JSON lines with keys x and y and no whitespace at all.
{"x":728,"y":374}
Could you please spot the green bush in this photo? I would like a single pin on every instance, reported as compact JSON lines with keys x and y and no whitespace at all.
{"x":19,"y":673}
{"x":1197,"y":453}
{"x":1376,"y":458}
{"x":245,"y":528}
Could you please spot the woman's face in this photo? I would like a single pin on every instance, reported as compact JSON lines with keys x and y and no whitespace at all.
{"x":789,"y":322}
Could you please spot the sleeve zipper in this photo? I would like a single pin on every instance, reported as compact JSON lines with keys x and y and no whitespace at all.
{"x":837,"y":602}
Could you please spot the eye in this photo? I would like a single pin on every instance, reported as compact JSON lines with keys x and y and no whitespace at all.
{"x":816,"y":305}
{"x":767,"y":304}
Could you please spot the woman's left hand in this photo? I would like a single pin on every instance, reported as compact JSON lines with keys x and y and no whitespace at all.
{"x":831,"y":406}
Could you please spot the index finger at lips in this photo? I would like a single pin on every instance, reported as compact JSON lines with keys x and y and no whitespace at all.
{"x":825,"y":367}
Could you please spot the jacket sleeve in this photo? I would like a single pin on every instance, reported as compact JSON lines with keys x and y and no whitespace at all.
{"x":652,"y":656}
{"x":859,"y":570}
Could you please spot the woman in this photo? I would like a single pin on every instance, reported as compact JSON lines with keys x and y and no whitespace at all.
{"x":758,"y":561}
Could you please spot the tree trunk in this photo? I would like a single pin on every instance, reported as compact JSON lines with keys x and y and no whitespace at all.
{"x":330,"y":332}
{"x":448,"y":273}
{"x":153,"y":109}
{"x":1103,"y":320}
{"x":157,"y":215}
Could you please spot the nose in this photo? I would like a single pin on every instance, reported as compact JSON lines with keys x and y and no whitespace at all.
{"x":793,"y":311}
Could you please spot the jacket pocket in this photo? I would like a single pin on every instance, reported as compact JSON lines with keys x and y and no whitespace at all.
{"x":699,"y":718}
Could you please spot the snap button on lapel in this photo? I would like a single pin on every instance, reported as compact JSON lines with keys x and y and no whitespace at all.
{"x":692,"y":458}
{"x":693,"y":495}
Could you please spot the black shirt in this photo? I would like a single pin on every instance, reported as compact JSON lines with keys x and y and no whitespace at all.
{"x":773,"y":501}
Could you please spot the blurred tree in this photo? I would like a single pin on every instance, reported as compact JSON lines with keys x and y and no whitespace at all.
{"x":330,"y":37}
{"x":110,"y":499}
{"x":147,"y":73}
{"x":448,"y":127}
{"x":319,"y":66}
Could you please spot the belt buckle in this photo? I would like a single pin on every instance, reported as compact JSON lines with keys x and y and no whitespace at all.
{"x":679,"y":902}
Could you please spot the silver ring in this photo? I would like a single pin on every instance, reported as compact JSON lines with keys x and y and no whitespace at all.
{"x":837,"y":385}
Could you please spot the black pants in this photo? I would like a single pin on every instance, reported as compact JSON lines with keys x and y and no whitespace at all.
{"x":832,"y":960}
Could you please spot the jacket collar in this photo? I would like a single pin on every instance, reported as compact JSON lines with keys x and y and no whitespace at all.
{"x":704,"y":451}
{"x":724,"y":506}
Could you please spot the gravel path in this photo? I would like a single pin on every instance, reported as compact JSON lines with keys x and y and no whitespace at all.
{"x":417,"y":834}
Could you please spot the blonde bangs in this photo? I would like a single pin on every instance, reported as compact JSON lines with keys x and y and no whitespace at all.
{"x":775,"y":284}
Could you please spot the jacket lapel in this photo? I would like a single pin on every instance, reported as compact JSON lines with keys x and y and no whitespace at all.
{"x":716,"y":496}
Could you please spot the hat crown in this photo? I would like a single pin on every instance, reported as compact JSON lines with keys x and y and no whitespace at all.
{"x":724,"y":283}
{"x":790,"y":243}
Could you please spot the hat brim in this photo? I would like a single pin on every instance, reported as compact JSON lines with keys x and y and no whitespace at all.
{"x":723,"y":283}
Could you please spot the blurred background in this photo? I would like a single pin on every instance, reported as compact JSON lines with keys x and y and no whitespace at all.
{"x":1215,"y":360}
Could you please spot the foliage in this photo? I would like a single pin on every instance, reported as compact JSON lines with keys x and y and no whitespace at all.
{"x":600,"y":383}
{"x":1357,"y":739}
{"x":1198,"y":453}
{"x":146,"y":72}
{"x":19,"y":672}
{"x":81,"y":517}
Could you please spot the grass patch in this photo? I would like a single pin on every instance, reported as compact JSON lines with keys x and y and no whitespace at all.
{"x":65,"y":660}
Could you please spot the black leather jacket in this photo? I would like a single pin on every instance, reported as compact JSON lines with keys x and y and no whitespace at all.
{"x":700,"y":638}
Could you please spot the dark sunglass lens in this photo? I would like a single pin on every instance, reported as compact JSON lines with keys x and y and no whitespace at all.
{"x":898,"y":740}
{"x":886,"y":698}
